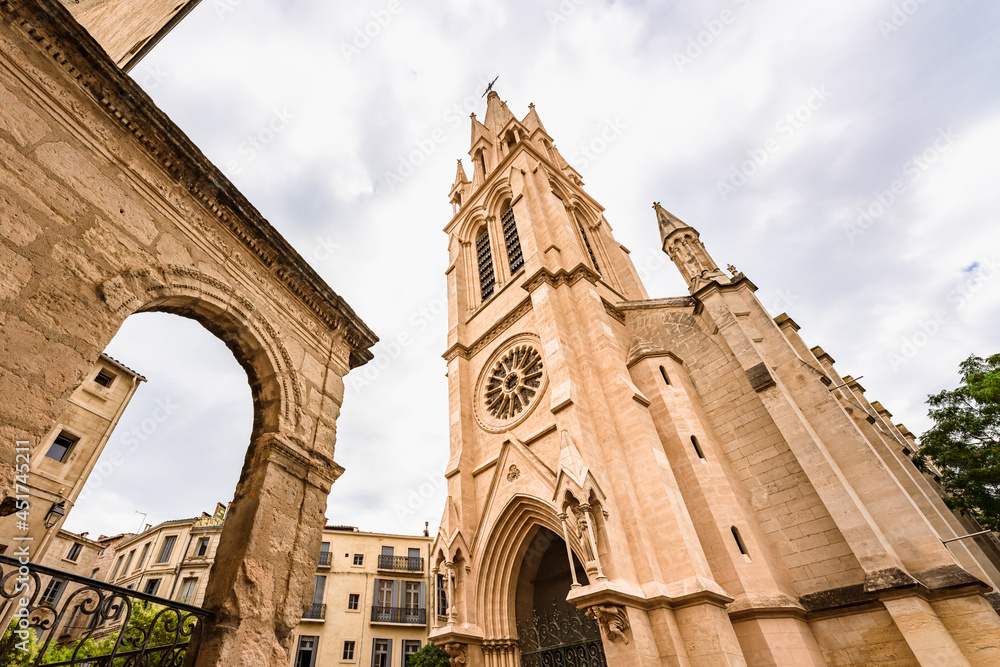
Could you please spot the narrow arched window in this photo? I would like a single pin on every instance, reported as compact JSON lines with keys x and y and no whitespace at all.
{"x":739,"y":541}
{"x":663,"y":372}
{"x":697,"y":447}
{"x":515,"y":260}
{"x":481,"y":158}
{"x":486,"y":278}
{"x":586,"y":242}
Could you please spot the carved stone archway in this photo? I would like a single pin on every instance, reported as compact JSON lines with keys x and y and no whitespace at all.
{"x":108,"y":210}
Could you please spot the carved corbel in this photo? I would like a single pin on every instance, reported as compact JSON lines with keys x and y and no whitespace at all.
{"x":612,"y":619}
{"x":458,"y":654}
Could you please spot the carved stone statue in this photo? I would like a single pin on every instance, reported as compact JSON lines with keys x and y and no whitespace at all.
{"x":612,"y":619}
{"x":458,"y":654}
{"x":582,"y":531}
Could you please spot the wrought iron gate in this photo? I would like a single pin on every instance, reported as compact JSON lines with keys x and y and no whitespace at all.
{"x":560,"y":637}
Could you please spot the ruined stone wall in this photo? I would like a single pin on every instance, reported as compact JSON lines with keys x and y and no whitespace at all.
{"x":108,"y":209}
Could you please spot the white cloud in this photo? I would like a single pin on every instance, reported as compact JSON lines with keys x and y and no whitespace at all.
{"x":322,"y":181}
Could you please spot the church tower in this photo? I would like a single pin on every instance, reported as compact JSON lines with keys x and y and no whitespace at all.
{"x":676,"y":481}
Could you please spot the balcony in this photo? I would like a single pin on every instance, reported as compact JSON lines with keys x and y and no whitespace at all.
{"x":316,"y":612}
{"x":401,"y":563}
{"x":324,"y":559}
{"x":400,"y":615}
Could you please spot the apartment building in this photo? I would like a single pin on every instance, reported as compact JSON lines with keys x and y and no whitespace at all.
{"x":370,"y":602}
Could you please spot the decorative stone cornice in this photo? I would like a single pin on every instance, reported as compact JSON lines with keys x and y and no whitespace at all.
{"x":71,"y":48}
{"x":561,"y":277}
{"x":494,"y":332}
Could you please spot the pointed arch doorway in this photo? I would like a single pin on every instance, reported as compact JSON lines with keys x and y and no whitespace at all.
{"x":551,"y":631}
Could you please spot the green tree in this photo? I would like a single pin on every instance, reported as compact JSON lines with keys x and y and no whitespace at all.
{"x":428,"y":656}
{"x":965,"y":441}
{"x":142,"y":618}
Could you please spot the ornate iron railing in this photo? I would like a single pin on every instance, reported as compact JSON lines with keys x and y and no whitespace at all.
{"x":87,"y":609}
{"x":324,"y":559}
{"x":410,"y":615}
{"x":563,"y":636}
{"x":316,"y":612}
{"x":404,"y":563}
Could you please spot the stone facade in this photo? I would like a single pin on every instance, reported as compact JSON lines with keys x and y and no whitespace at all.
{"x":108,"y":210}
{"x":686,"y":470}
{"x":66,"y":455}
{"x":350,"y":622}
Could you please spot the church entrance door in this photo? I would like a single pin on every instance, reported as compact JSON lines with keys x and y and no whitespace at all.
{"x":551,"y":632}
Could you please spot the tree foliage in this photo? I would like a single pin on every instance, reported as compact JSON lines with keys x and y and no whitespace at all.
{"x":965,"y":441}
{"x":429,"y":655}
{"x":143,"y":616}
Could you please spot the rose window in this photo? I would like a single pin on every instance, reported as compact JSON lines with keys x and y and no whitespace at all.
{"x":513,"y":383}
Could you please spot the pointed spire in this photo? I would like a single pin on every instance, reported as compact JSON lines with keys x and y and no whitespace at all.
{"x":497,"y":113}
{"x":682,"y":244}
{"x":532,"y":122}
{"x":668,"y":222}
{"x":460,"y":177}
{"x":479,"y":131}
{"x":570,"y":458}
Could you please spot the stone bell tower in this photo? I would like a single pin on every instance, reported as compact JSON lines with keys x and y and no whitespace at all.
{"x":667,"y":481}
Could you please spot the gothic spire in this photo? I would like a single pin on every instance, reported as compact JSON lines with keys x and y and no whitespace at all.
{"x":683,"y":245}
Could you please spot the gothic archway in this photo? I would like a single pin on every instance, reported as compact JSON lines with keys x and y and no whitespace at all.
{"x":551,"y":631}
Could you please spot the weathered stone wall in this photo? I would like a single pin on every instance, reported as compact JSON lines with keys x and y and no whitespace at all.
{"x":108,"y":209}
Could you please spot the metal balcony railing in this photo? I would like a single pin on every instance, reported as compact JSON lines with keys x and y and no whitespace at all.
{"x":408,"y":615}
{"x":324,"y":559}
{"x":401,"y":563}
{"x":316,"y":612}
{"x":91,"y":609}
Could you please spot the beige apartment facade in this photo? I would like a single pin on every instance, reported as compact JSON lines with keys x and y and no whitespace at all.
{"x":369,"y":602}
{"x":369,"y":597}
{"x":56,"y":469}
{"x":667,"y":481}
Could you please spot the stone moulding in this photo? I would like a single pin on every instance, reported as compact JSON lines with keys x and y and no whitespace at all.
{"x":494,"y":332}
{"x":50,"y":24}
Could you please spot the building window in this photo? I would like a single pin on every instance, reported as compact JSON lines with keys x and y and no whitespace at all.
{"x":353,"y":600}
{"x":590,"y":251}
{"x":663,"y":372}
{"x":410,"y":646}
{"x":348,"y":650}
{"x":142,"y":556}
{"x":305,"y":655}
{"x":442,"y":596}
{"x":739,"y":542}
{"x":697,"y":447}
{"x":359,"y":559}
{"x":104,"y":378}
{"x":381,"y":652}
{"x":118,"y":565}
{"x":60,"y":446}
{"x":187,"y":590}
{"x":384,"y":589}
{"x":167,"y":549}
{"x":487,"y":281}
{"x":128,"y":563}
{"x":74,"y":551}
{"x":202,"y":547}
{"x":515,"y":260}
{"x":52,"y":592}
{"x":151,"y":586}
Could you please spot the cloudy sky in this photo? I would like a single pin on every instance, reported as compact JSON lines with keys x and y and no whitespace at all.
{"x":842,"y":155}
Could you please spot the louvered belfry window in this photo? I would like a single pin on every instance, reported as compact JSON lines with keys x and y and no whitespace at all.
{"x":487,"y":281}
{"x":515,"y":260}
{"x":590,"y":250}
